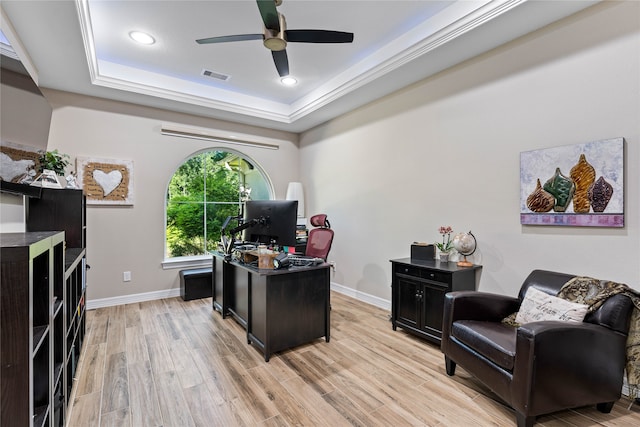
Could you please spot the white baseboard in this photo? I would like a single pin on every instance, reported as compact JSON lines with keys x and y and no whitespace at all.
{"x":133,"y":298}
{"x":170,"y":293}
{"x":361,"y":296}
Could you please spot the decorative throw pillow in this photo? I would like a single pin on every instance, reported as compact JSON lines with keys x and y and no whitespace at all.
{"x":538,"y":306}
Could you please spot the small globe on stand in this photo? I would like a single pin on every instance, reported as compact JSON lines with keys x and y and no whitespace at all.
{"x":465,"y":244}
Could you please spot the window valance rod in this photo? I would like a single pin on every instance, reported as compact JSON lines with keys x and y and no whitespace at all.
{"x":192,"y":134}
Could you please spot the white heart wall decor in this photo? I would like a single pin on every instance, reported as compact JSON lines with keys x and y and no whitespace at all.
{"x":108,"y":181}
{"x":11,"y":169}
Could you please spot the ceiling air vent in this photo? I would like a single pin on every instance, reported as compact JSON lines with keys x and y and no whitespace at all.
{"x":215,"y":75}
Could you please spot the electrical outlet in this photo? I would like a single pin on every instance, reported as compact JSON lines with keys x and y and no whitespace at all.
{"x":126,"y":276}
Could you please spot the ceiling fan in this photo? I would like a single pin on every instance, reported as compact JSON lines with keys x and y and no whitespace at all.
{"x":275,"y":35}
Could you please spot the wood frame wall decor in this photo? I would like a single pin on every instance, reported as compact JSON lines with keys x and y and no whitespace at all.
{"x":106,"y":181}
{"x":575,"y":185}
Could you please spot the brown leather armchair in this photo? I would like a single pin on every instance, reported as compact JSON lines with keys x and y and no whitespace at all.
{"x":539,"y":367}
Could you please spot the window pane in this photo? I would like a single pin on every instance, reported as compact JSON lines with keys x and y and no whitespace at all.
{"x":185,"y":229}
{"x":216,"y":216}
{"x":258,"y":185}
{"x":202,"y":194}
{"x":187,"y":184}
{"x":222,"y":177}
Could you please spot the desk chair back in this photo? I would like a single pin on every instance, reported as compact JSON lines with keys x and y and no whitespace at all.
{"x":320,"y":239}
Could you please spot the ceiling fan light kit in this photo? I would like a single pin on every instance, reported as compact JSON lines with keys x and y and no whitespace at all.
{"x":288,"y":81}
{"x":275,"y":35}
{"x":275,"y":43}
{"x":275,"y":39}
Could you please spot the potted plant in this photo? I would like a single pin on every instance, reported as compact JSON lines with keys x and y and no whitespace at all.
{"x":54,"y":161}
{"x":446,"y":245}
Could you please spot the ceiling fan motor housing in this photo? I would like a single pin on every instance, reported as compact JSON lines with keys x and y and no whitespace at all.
{"x":275,"y":35}
{"x":273,"y":39}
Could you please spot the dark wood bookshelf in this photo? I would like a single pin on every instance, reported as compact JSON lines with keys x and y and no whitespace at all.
{"x":20,"y":189}
{"x":28,"y":279}
{"x":43,"y":300}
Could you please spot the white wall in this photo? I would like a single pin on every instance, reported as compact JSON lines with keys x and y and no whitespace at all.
{"x":132,"y":238}
{"x":446,"y":152}
{"x":12,"y":213}
{"x":25,"y":112}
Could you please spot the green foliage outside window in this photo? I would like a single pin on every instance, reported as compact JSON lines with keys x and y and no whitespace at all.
{"x":203,"y":192}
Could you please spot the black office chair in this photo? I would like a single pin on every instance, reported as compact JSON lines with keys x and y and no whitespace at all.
{"x":320,"y":239}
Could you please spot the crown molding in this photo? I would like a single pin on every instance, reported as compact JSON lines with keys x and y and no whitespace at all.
{"x":419,"y":51}
{"x":390,"y":57}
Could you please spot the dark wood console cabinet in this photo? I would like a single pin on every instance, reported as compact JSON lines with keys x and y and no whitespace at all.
{"x":417,"y":293}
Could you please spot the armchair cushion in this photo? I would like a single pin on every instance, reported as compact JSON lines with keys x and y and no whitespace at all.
{"x":493,"y":340}
{"x":538,"y":306}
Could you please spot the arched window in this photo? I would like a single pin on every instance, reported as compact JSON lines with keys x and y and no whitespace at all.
{"x":205,"y":190}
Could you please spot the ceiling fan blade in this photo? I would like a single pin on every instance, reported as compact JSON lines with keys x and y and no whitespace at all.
{"x":318,"y":36}
{"x":236,"y":38}
{"x":282,"y":62}
{"x":269,"y":14}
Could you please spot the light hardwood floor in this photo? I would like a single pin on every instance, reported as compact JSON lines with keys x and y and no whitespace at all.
{"x":175,"y":363}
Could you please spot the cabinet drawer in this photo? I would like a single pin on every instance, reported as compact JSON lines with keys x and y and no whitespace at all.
{"x":423,"y":273}
{"x":437,"y":276}
{"x":409,"y":270}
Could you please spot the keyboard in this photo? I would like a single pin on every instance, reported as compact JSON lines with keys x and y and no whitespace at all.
{"x":303,"y":261}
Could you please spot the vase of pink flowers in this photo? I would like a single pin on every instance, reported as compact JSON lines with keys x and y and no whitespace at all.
{"x":447,"y":245}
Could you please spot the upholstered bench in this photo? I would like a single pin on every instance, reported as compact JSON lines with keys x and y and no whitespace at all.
{"x":196,"y":283}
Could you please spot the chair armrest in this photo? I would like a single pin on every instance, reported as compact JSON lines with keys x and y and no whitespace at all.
{"x":471,"y":305}
{"x":582,"y":362}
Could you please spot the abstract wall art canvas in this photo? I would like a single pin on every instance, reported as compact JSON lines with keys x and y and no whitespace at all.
{"x":575,"y":185}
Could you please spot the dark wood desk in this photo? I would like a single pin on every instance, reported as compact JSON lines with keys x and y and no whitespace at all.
{"x":279,"y":309}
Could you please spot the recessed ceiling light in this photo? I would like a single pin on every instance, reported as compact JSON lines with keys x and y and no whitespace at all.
{"x":141,"y":37}
{"x":288,"y":81}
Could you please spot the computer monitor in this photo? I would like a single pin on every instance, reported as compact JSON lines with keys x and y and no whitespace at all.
{"x":276,"y":221}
